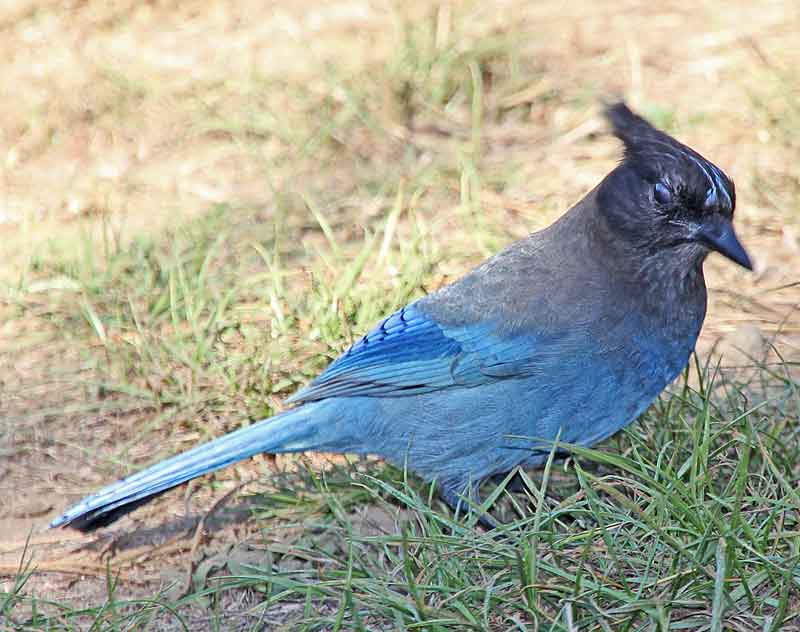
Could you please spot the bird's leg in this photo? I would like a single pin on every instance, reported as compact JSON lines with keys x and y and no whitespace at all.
{"x":515,"y":485}
{"x":467,"y":499}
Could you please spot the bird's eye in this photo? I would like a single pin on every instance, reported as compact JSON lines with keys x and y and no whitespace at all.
{"x":711,"y":198}
{"x":662,"y":194}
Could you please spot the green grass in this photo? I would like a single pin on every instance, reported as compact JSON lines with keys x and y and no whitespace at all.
{"x":689,"y":520}
{"x":381,"y":185}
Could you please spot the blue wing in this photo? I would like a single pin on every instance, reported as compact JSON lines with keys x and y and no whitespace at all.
{"x":410,"y":353}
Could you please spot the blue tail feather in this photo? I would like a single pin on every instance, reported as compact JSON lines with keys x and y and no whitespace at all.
{"x":292,"y":431}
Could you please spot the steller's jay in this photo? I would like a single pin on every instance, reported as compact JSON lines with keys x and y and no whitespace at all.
{"x":570,"y":333}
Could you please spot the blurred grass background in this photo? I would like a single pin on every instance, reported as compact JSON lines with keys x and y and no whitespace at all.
{"x":204,"y":202}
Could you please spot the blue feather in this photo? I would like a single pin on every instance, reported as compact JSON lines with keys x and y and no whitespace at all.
{"x":409,"y":353}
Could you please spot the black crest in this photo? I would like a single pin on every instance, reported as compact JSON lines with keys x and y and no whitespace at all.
{"x":636,"y":133}
{"x":659,"y":158}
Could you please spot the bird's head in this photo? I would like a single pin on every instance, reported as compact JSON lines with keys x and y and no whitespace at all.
{"x":664,"y":195}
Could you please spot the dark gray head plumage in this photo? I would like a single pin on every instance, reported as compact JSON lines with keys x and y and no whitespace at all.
{"x":665,"y":195}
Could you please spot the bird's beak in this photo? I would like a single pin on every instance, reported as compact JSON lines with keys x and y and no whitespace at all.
{"x":717,"y":233}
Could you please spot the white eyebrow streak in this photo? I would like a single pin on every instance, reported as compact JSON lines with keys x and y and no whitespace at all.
{"x":702,"y":168}
{"x":718,"y":179}
{"x":686,"y":154}
{"x":715,"y":180}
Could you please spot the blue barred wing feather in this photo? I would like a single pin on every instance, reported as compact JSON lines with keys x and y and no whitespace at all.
{"x":410,"y":353}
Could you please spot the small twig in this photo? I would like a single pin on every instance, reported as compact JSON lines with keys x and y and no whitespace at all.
{"x":66,"y":567}
{"x":50,"y":538}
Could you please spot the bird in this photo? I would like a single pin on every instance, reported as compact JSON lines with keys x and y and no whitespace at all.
{"x":567,"y":335}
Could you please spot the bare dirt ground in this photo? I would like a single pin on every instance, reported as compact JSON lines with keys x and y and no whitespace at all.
{"x":105,"y":119}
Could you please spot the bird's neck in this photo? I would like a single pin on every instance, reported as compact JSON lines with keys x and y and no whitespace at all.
{"x":661,"y":280}
{"x":676,"y":275}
